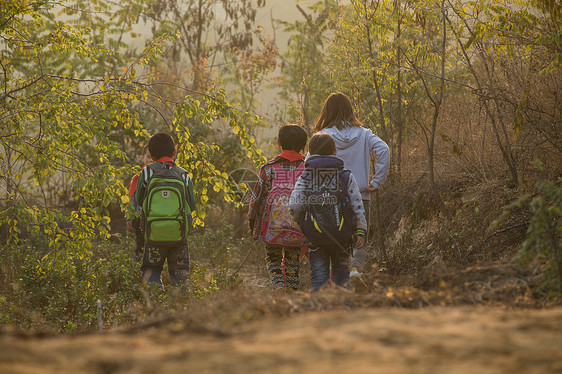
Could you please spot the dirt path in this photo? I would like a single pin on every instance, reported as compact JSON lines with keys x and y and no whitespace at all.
{"x":386,"y":340}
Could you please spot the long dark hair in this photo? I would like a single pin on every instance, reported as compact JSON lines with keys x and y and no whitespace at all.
{"x":337,"y":111}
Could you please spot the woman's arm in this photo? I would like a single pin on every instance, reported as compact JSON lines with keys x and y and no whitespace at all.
{"x":383,"y":160}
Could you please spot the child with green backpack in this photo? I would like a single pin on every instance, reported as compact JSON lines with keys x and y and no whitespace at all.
{"x":165,"y":194}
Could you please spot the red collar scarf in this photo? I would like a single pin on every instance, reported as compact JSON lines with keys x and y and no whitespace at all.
{"x":291,"y":155}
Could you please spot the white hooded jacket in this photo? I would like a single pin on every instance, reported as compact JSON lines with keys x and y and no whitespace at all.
{"x":354,"y":145}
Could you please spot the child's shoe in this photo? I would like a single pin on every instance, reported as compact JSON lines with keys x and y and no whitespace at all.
{"x":357,"y":283}
{"x":279,"y":291}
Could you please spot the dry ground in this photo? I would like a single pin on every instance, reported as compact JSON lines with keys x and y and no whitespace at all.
{"x":303,"y":334}
{"x":480,"y":319}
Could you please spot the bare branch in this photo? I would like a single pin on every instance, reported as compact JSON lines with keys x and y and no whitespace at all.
{"x":9,"y":93}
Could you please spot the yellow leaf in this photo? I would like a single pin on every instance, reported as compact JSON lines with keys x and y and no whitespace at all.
{"x":125,"y":199}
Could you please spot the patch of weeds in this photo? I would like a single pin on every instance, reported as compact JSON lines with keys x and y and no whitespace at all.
{"x":215,"y":246}
{"x":60,"y":289}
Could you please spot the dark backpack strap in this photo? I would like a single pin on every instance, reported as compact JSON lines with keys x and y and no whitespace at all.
{"x":180,"y":169}
{"x":168,"y":164}
{"x":344,"y":178}
{"x":154,"y":166}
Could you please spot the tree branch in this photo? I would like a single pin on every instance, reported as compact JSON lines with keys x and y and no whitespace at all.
{"x":8,"y":94}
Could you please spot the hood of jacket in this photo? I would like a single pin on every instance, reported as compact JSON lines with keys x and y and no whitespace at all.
{"x":346,"y":137}
{"x":323,"y":161}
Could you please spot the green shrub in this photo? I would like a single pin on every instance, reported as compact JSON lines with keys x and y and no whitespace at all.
{"x":60,"y":289}
{"x":203,"y":282}
{"x":542,"y":246}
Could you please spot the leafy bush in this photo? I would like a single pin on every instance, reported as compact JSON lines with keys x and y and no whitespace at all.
{"x":203,"y":282}
{"x":542,"y":246}
{"x":60,"y":289}
{"x":214,"y":246}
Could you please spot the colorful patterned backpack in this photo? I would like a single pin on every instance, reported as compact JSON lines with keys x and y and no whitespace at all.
{"x":279,"y":228}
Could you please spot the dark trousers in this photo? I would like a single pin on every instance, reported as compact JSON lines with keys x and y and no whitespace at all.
{"x":322,"y":259}
{"x":153,"y":262}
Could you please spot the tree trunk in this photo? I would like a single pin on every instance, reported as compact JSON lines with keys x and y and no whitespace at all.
{"x":399,"y":121}
{"x":437,"y":108}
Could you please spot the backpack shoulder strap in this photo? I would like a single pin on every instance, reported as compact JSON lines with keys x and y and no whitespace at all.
{"x":276,"y":166}
{"x":344,"y":177}
{"x":280,"y":170}
{"x":179,"y":169}
{"x":182,"y":173}
{"x":157,"y":166}
{"x":154,"y":166}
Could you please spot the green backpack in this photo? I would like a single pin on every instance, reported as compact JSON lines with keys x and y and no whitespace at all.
{"x":164,"y":209}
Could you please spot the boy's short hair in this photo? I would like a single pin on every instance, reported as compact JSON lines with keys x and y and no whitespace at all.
{"x":161,"y":145}
{"x":292,"y":137}
{"x":145,"y":150}
{"x":322,"y":144}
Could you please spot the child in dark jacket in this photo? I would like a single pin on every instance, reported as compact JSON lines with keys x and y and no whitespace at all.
{"x":292,"y":140}
{"x":335,"y":255}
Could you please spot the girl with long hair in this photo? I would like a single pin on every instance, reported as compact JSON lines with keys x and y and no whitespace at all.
{"x":354,"y":144}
